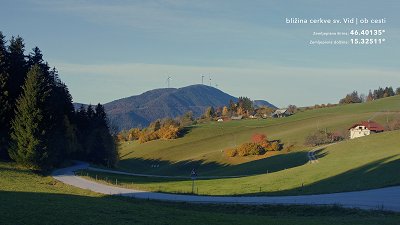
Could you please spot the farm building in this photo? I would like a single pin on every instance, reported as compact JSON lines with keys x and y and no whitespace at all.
{"x":237,"y":117}
{"x":365,"y":128}
{"x":281,"y":113}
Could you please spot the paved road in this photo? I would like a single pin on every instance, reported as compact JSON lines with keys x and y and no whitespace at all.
{"x":384,"y":198}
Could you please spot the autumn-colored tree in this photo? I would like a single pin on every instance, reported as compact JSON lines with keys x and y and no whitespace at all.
{"x":259,"y":138}
{"x":170,"y":132}
{"x":231,"y":152}
{"x":370,"y":96}
{"x":225,"y":111}
{"x":209,"y":113}
{"x":121,"y":137}
{"x":292,"y":109}
{"x":133,"y":134}
{"x":250,"y":149}
{"x":240,"y":111}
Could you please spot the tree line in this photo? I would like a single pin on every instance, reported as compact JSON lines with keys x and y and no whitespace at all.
{"x":166,"y":128}
{"x":379,"y":93}
{"x":39,"y":127}
{"x":243,"y":107}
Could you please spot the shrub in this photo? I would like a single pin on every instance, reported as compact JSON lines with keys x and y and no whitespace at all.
{"x":231,"y":152}
{"x":259,"y":138}
{"x":289,"y":148}
{"x":321,"y":137}
{"x":170,"y":132}
{"x":275,"y":146}
{"x":250,"y":149}
{"x":394,"y":124}
{"x":133,"y":134}
{"x":121,"y":137}
{"x":147,"y":136}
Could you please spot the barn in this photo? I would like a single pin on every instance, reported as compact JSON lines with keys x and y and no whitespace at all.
{"x":365,"y":128}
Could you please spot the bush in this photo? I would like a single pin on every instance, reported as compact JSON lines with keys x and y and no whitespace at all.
{"x":170,"y":132}
{"x":133,"y":134}
{"x":259,"y":138}
{"x":250,"y":149}
{"x":394,"y":124}
{"x":321,"y":137}
{"x":275,"y":146}
{"x":147,"y":136}
{"x":289,"y":148}
{"x":231,"y":152}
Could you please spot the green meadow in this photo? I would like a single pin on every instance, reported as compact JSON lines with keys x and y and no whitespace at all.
{"x":28,"y":198}
{"x":364,"y":163}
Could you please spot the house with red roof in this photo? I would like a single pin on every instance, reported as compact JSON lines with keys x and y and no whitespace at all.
{"x":365,"y":128}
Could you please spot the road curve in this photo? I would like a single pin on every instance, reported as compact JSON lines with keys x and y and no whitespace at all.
{"x":382,"y":199}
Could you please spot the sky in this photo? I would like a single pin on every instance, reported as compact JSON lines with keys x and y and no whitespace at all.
{"x":106,"y":50}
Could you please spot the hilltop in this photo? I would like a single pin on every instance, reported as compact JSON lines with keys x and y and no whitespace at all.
{"x":140,"y":110}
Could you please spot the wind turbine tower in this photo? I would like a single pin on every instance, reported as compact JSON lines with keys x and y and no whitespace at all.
{"x":202,"y":79}
{"x":168,"y":81}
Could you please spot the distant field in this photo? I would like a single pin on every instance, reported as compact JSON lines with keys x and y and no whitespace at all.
{"x":202,"y":148}
{"x":27,"y":198}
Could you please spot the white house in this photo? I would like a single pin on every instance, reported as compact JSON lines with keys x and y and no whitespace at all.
{"x":365,"y":128}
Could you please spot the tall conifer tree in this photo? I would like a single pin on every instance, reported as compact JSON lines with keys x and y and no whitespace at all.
{"x":5,"y":104}
{"x":29,"y":127}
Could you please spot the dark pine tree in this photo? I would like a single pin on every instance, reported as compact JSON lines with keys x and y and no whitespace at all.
{"x":103,"y":149}
{"x":5,"y":104}
{"x":30,"y":126}
{"x":17,"y":67}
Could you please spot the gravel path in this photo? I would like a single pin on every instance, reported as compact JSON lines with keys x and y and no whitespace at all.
{"x":383,"y":199}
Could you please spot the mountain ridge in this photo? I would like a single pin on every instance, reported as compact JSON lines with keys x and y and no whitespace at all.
{"x":140,"y":110}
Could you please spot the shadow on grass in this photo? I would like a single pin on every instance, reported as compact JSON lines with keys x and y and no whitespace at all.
{"x":51,"y":208}
{"x":377,"y":174}
{"x":183,"y":168}
{"x":15,"y":168}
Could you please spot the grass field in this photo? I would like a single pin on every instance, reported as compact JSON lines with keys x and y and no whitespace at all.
{"x":27,"y":198}
{"x":203,"y":146}
{"x":365,"y":163}
{"x":359,"y":164}
{"x":369,"y":162}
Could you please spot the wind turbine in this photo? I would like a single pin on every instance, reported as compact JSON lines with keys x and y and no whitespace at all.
{"x":168,"y":81}
{"x":210,"y":81}
{"x":202,"y":79}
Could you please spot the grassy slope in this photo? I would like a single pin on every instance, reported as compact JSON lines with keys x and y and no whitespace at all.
{"x":27,"y":198}
{"x":202,"y":147}
{"x":364,"y":163}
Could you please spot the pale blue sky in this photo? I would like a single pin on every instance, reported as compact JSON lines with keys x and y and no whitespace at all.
{"x":105,"y":50}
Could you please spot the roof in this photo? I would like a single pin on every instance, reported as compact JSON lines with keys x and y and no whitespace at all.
{"x":280,"y":111}
{"x":237,"y":117}
{"x":370,"y":125}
